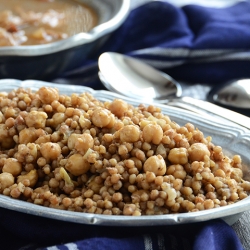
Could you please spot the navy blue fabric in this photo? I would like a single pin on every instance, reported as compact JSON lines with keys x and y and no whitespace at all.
{"x":25,"y":231}
{"x":194,"y":43}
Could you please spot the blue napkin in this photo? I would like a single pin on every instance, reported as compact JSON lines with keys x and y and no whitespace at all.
{"x":195,"y":44}
{"x":28,"y":232}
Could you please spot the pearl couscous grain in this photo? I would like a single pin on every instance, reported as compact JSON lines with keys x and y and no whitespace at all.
{"x":79,"y":154}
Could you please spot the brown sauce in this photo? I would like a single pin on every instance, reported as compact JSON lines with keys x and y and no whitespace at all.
{"x":32,"y":22}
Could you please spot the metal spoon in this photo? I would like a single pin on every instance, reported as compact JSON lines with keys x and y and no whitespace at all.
{"x":234,"y":94}
{"x":133,"y":78}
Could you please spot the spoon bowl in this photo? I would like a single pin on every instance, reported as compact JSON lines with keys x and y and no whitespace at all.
{"x":136,"y":79}
{"x":234,"y":94}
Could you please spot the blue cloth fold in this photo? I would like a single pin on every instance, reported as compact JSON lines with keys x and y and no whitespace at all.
{"x":28,"y":232}
{"x":195,"y":44}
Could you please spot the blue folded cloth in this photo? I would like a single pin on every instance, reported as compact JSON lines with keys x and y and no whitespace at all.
{"x":194,"y":43}
{"x":29,"y":232}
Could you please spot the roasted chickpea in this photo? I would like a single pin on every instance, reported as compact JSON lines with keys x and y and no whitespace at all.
{"x":129,"y":133}
{"x":101,"y":117}
{"x":47,"y":95}
{"x":36,"y":119}
{"x":152,"y":133}
{"x":83,"y":143}
{"x":155,"y":164}
{"x":50,"y":150}
{"x":118,"y":107}
{"x":197,"y":152}
{"x":77,"y":165}
{"x":32,"y":177}
{"x":177,"y":171}
{"x":12,"y":166}
{"x":6,"y":180}
{"x":178,"y":156}
{"x":27,"y":135}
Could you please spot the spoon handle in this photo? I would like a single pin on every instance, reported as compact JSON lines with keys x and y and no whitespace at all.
{"x":204,"y":108}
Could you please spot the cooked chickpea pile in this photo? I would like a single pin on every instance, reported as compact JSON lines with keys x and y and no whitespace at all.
{"x":79,"y":154}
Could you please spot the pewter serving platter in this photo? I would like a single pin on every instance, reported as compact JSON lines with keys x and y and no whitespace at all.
{"x":231,"y":137}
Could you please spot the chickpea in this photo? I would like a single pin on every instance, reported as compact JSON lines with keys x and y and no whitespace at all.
{"x":47,"y":95}
{"x":155,"y":164}
{"x":236,"y":174}
{"x":5,"y":140}
{"x":27,"y":135}
{"x":129,"y":209}
{"x":152,"y":133}
{"x":197,"y":152}
{"x":101,"y":117}
{"x":6,"y":180}
{"x":171,"y":194}
{"x":50,"y":151}
{"x":83,"y":143}
{"x":10,"y":122}
{"x":118,"y":107}
{"x":72,"y":141}
{"x":178,"y":156}
{"x":177,"y":171}
{"x":208,"y":204}
{"x":237,"y":159}
{"x":32,"y":176}
{"x":77,"y":165}
{"x":12,"y":166}
{"x":36,"y":119}
{"x":57,"y":119}
{"x":129,"y":133}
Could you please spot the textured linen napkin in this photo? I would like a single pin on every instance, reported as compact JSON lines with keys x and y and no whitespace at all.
{"x":193,"y":43}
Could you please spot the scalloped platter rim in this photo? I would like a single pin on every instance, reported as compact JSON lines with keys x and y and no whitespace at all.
{"x":233,"y":139}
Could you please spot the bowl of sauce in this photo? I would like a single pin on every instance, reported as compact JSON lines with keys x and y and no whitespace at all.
{"x":40,"y":39}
